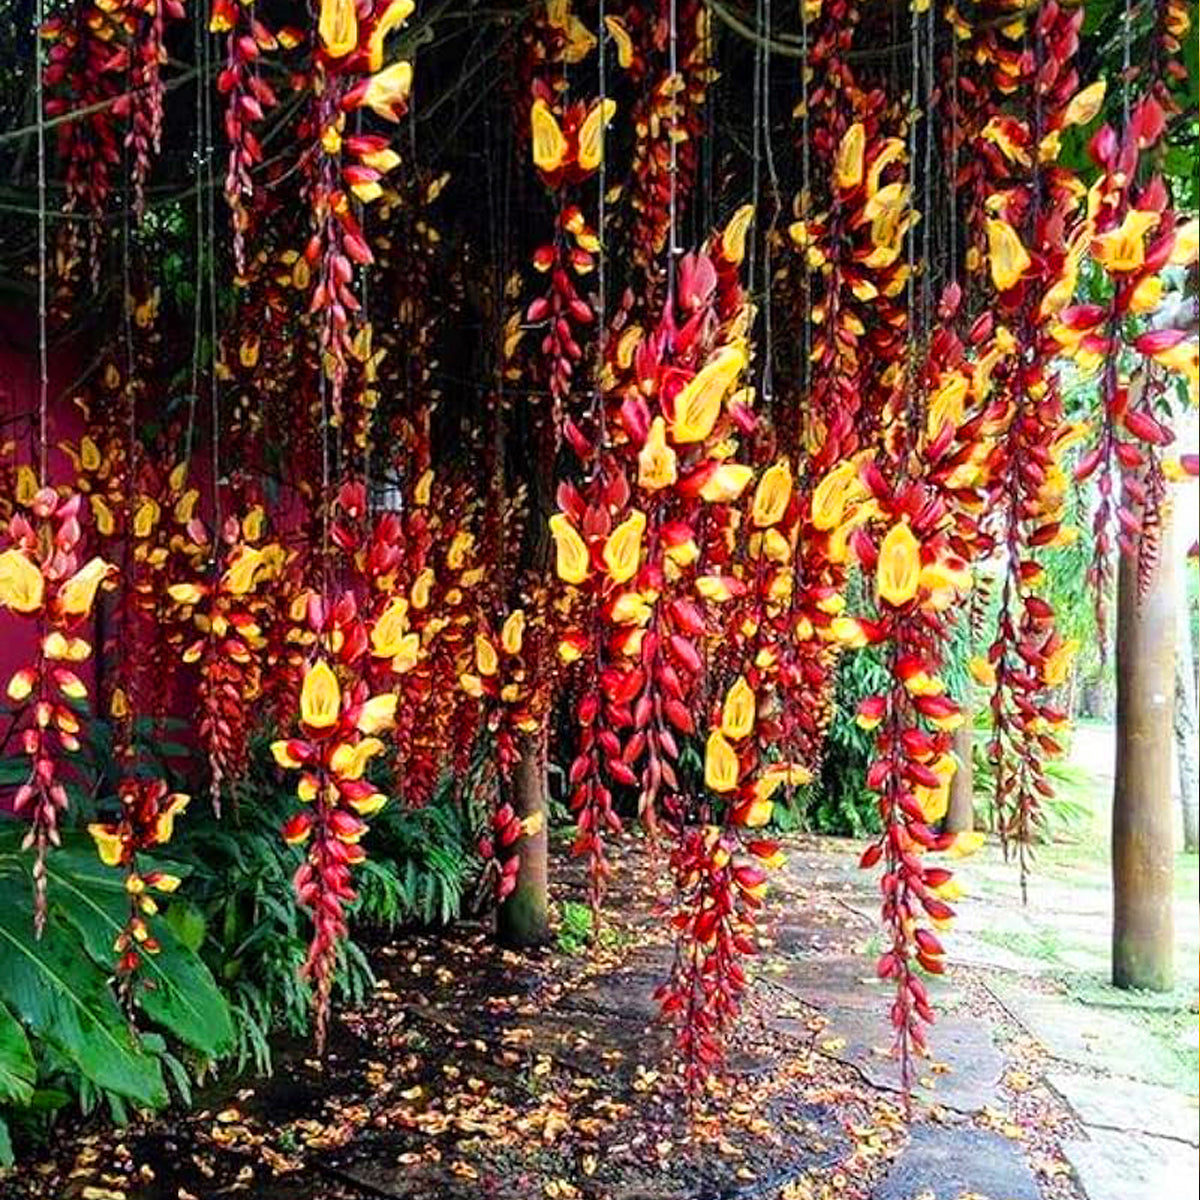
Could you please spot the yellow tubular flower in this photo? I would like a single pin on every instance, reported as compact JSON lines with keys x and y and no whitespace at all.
{"x":591,"y":134}
{"x":572,"y":560}
{"x":1085,"y":105}
{"x":320,"y":696}
{"x":393,"y":16}
{"x":22,"y":586}
{"x":656,"y":460}
{"x":726,"y":483}
{"x":698,"y":403}
{"x":720,"y":763}
{"x":239,"y":579}
{"x":549,"y":145}
{"x":1008,"y":258}
{"x":1123,"y":249}
{"x":487,"y":662}
{"x":623,"y":549}
{"x":898,"y":572}
{"x":848,"y":166}
{"x":772,"y":494}
{"x":831,"y":496}
{"x":77,"y":595}
{"x":337,"y":25}
{"x":388,"y":89}
{"x":738,"y":711}
{"x":108,"y":843}
{"x":378,"y":714}
{"x":408,"y":654}
{"x":512,"y":633}
{"x":388,"y":633}
{"x":733,"y":239}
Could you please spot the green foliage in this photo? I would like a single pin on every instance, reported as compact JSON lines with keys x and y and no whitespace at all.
{"x":1068,"y":812}
{"x":840,"y":802}
{"x":64,"y":1033}
{"x":575,"y":928}
{"x":421,"y":862}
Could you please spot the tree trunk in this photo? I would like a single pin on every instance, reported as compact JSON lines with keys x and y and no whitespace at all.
{"x":524,"y":917}
{"x":1185,"y":718}
{"x":960,"y":816}
{"x":1143,"y":861}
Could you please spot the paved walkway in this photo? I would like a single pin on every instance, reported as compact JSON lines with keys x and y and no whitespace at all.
{"x":474,"y":1073}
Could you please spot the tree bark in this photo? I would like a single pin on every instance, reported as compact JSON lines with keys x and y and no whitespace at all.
{"x":1143,"y":861}
{"x":960,"y":816}
{"x":1185,"y":719}
{"x":523,"y":919}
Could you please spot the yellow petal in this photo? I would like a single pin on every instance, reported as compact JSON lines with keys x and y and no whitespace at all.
{"x":772,"y":494}
{"x":512,"y":632}
{"x":848,"y":166}
{"x":738,"y":711}
{"x":549,"y":145}
{"x":720,"y":763}
{"x":320,"y":696}
{"x":22,"y":586}
{"x":591,"y":134}
{"x":1008,"y":258}
{"x":898,"y":572}
{"x":408,"y":653}
{"x":623,"y":549}
{"x":77,"y":595}
{"x":726,"y":483}
{"x":108,"y":843}
{"x":571,"y":552}
{"x":378,"y":714}
{"x":390,"y":628}
{"x":1085,"y":105}
{"x":698,"y":403}
{"x":656,"y":460}
{"x":337,"y":24}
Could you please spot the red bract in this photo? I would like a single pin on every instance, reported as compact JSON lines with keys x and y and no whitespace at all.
{"x":42,"y":580}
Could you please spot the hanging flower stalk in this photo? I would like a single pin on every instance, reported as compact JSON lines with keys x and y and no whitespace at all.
{"x":141,"y":60}
{"x":916,"y":578}
{"x":78,"y":76}
{"x":348,"y":75}
{"x":249,"y":97}
{"x":850,"y":232}
{"x":147,"y":820}
{"x":41,"y":578}
{"x":337,"y":742}
{"x":566,"y":142}
{"x":1134,"y":236}
{"x":230,"y":649}
{"x":628,"y":546}
{"x":668,"y":124}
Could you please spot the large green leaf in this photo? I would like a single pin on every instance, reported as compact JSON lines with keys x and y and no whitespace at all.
{"x":63,"y":998}
{"x":17,"y":1070}
{"x":176,"y":989}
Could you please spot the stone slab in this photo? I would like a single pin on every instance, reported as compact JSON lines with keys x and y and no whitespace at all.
{"x":1088,"y":1037}
{"x":1121,"y":1166}
{"x":1129,"y":1106}
{"x":944,"y":1164}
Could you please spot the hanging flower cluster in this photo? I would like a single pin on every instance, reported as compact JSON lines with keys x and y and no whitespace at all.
{"x":336,"y":744}
{"x":147,"y":820}
{"x":249,"y":97}
{"x":41,"y":579}
{"x":229,"y":649}
{"x":78,"y":75}
{"x":349,"y":75}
